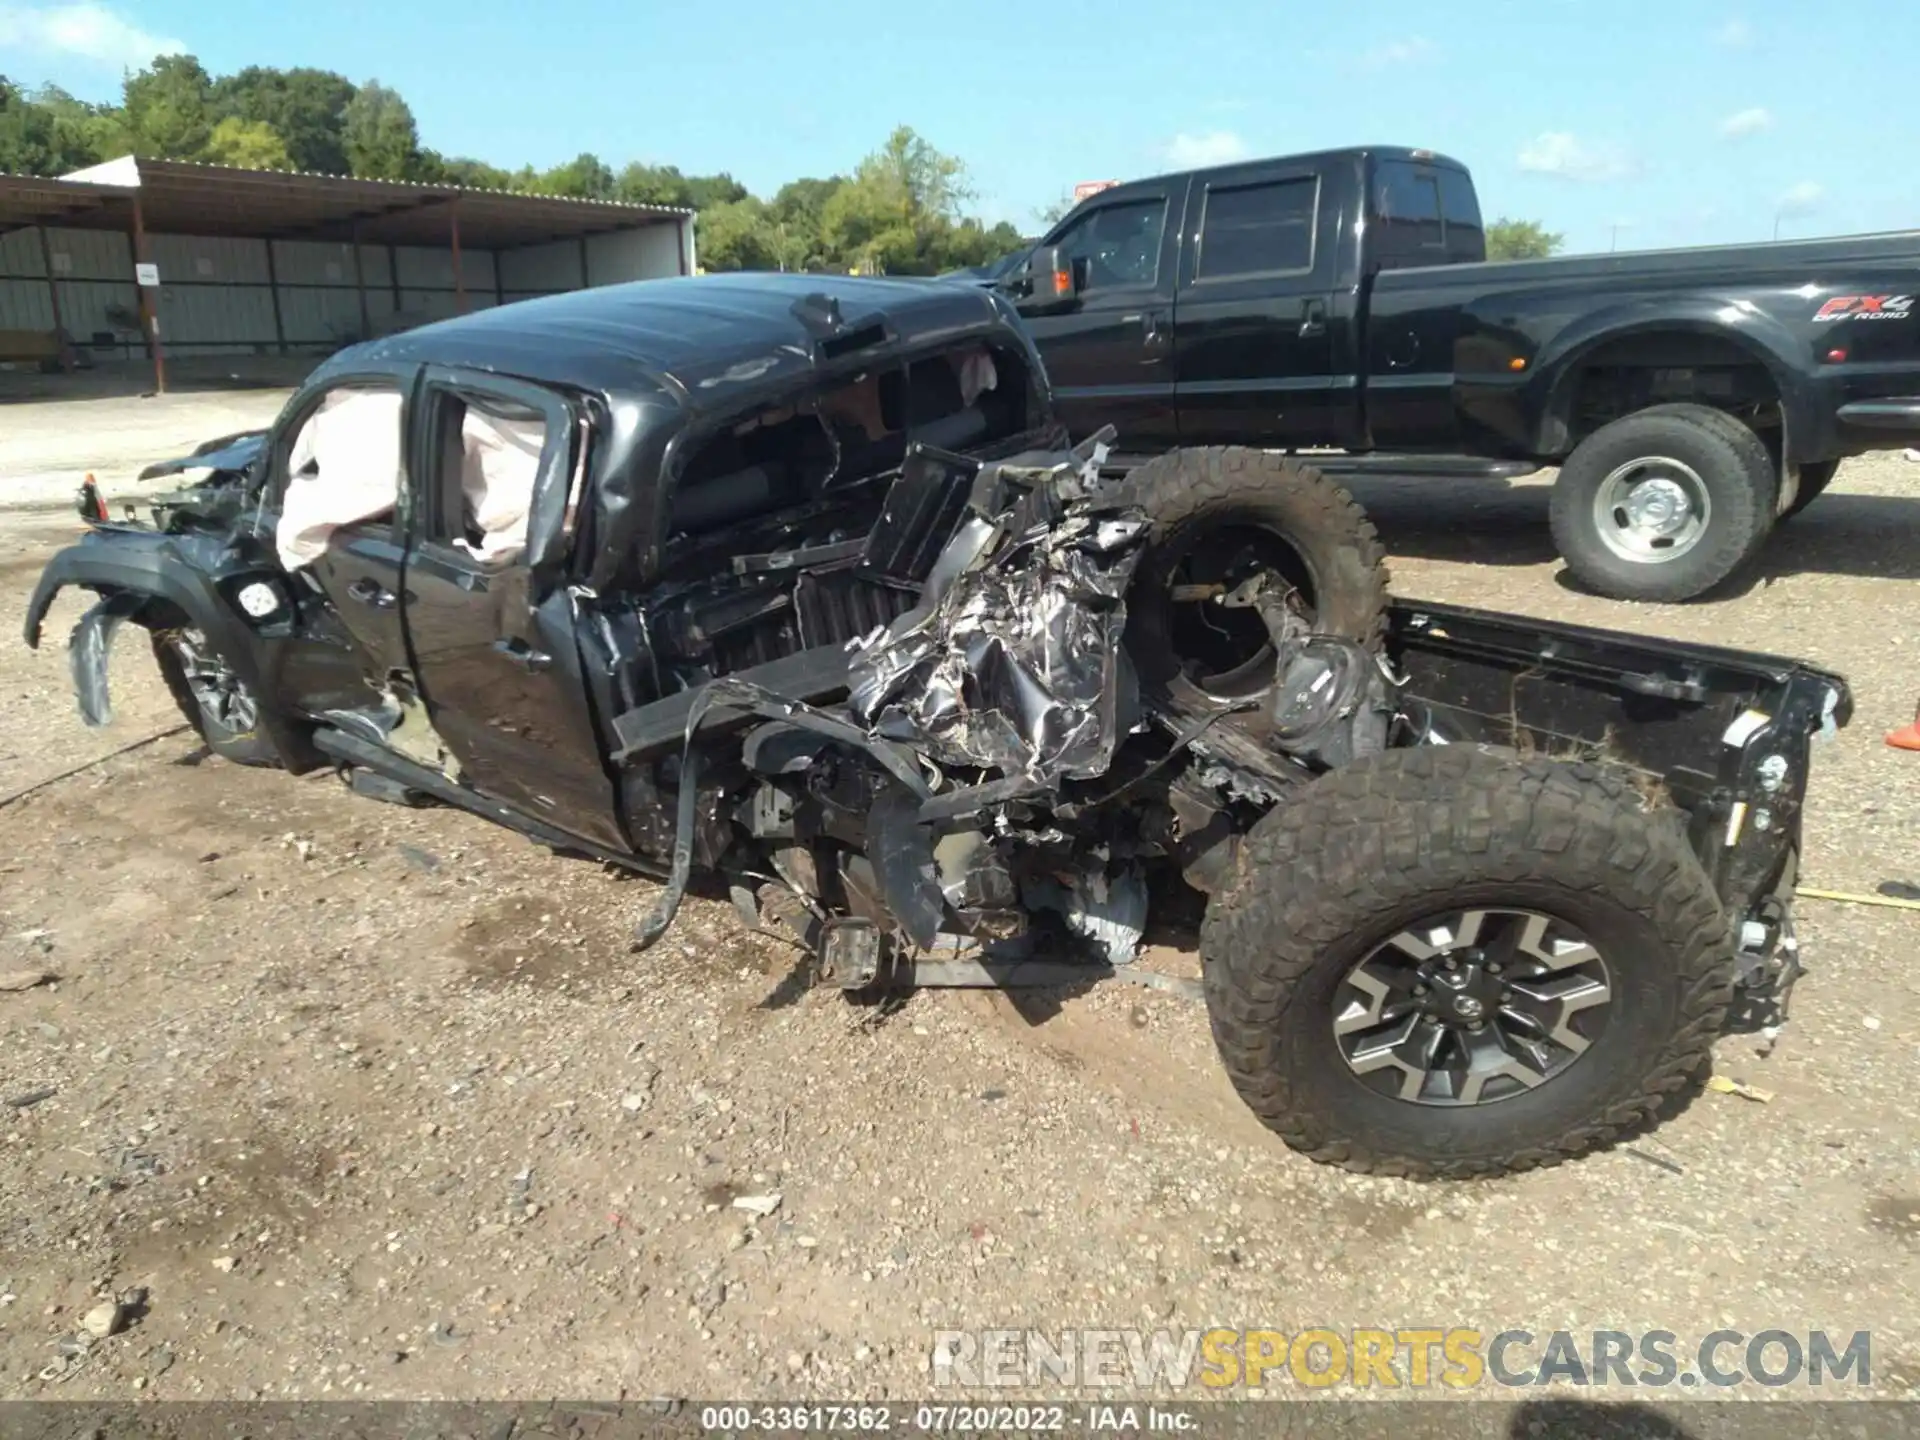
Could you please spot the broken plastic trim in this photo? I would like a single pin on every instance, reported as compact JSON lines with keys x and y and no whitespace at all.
{"x":88,"y":650}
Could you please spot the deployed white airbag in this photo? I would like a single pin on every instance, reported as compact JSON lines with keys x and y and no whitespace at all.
{"x":500,"y":459}
{"x":345,"y":468}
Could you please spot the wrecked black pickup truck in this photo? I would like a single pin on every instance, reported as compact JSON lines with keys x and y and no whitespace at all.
{"x":791,"y":586}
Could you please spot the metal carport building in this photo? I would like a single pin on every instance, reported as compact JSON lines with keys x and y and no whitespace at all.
{"x":256,"y":262}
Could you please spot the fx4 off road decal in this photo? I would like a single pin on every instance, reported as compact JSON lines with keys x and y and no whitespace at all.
{"x":1865,"y":307}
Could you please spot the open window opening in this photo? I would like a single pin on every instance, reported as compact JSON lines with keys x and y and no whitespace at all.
{"x":488,"y":459}
{"x":792,"y":456}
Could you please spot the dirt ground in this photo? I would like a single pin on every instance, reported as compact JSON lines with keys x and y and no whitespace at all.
{"x":375,"y":1102}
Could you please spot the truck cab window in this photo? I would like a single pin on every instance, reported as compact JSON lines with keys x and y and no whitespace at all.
{"x":488,"y":451}
{"x":1116,"y":244}
{"x":1466,"y":239}
{"x":1409,"y":228}
{"x":1257,"y":229}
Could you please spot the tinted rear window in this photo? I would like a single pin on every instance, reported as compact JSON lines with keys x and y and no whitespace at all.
{"x":1257,"y":229}
{"x":1424,"y":215}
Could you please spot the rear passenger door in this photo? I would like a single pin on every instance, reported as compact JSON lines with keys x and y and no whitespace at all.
{"x":1109,"y":355}
{"x":1255,"y":353}
{"x":496,"y":462}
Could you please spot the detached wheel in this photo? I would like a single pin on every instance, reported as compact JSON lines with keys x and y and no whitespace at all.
{"x":1814,"y":480}
{"x":216,"y":701}
{"x":1448,"y":962}
{"x":1222,"y":516}
{"x":1663,"y":504}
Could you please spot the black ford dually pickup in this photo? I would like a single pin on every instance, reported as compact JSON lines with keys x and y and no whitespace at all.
{"x":1690,"y":397}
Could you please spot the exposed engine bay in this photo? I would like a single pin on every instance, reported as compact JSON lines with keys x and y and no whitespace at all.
{"x":994,"y":778}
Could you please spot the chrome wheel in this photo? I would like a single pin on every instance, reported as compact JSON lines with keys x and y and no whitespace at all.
{"x":1652,"y":510}
{"x":226,"y":704}
{"x":1472,"y":1007}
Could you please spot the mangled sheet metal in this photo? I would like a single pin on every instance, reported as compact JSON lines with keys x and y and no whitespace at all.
{"x":1013,"y":660}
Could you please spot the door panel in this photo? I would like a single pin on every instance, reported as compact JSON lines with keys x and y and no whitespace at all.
{"x":1110,"y":357}
{"x":361,"y":572}
{"x":499,"y":667}
{"x":344,"y":460}
{"x":1255,"y":340}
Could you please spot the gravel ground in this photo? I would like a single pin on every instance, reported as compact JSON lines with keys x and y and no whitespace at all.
{"x":375,"y":1102}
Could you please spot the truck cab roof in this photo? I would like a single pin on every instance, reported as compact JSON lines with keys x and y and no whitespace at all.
{"x":1313,"y":159}
{"x":709,"y":342}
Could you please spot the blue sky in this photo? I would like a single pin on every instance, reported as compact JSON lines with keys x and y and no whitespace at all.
{"x":1613,"y":121}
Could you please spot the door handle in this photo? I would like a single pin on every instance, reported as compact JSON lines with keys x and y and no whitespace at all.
{"x":369,"y":591}
{"x":518,"y":652}
{"x":1313,"y":320}
{"x":1153,"y":330}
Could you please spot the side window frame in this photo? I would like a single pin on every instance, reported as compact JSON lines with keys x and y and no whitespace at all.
{"x":1091,"y":216}
{"x":563,"y":454}
{"x":302,"y":408}
{"x":1262,"y":182}
{"x":1423,"y":252}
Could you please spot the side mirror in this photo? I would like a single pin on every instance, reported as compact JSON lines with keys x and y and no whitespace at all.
{"x":1050,"y":282}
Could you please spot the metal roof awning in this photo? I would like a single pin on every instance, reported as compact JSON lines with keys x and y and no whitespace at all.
{"x":30,"y":200}
{"x":178,"y":197}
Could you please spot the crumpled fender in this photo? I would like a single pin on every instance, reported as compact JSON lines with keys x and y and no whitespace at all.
{"x":124,"y":566}
{"x":228,"y":453}
{"x":145,"y":563}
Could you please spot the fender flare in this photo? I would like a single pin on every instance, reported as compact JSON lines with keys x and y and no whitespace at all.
{"x":144,"y":563}
{"x":1759,"y":335}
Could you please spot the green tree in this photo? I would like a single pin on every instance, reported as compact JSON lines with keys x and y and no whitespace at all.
{"x":49,"y":132}
{"x":83,"y":134}
{"x":457,"y":170}
{"x":584,"y":177}
{"x":249,"y":144}
{"x":379,"y":135}
{"x":169,"y":108}
{"x":973,"y":243}
{"x":896,"y":212}
{"x":641,"y":184}
{"x":795,"y":213}
{"x":738,"y":235}
{"x":1521,"y":240}
{"x":704,"y":191}
{"x":306,"y":108}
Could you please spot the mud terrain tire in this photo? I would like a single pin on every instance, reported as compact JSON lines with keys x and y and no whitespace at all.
{"x":1240,"y":493}
{"x":1325,"y":884}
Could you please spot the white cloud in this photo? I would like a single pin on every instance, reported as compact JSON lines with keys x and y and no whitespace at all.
{"x":1397,"y":52}
{"x":1746,"y":122}
{"x":1556,"y":152}
{"x":1196,"y":152}
{"x":1736,"y":34}
{"x":85,"y":29}
{"x":1802,"y":199}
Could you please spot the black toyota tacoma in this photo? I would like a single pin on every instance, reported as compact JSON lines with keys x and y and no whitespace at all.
{"x":794,"y":585}
{"x":1691,"y":398}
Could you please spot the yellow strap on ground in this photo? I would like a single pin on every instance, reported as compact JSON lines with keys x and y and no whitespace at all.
{"x":1848,"y":897}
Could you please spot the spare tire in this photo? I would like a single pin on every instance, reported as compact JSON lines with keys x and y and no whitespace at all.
{"x":1220,"y":516}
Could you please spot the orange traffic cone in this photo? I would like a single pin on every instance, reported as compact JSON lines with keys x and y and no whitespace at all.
{"x":1907,"y":737}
